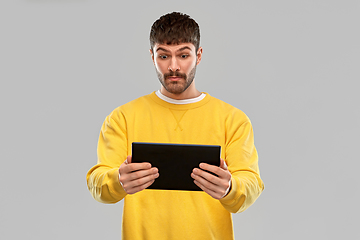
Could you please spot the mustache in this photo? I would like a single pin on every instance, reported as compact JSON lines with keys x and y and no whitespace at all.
{"x":174,"y":74}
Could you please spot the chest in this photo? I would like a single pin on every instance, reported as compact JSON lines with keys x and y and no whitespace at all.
{"x":193,"y":126}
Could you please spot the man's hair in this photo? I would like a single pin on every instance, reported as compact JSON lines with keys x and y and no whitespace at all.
{"x":175,"y":28}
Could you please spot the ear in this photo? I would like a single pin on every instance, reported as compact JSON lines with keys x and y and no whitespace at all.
{"x":199,"y":55}
{"x":152,"y":55}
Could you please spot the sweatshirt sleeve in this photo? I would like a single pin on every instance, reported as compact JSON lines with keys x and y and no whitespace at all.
{"x":242,"y":160}
{"x":102,"y":179}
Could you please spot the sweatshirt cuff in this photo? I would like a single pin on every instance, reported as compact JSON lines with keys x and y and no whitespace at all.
{"x":231,"y":197}
{"x":115,"y":187}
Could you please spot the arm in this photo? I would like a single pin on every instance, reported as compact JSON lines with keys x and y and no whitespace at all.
{"x":242,"y":159}
{"x":242,"y":178}
{"x":103,"y":179}
{"x":112,"y":178}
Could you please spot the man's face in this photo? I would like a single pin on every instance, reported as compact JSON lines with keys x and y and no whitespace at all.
{"x":176,"y":65}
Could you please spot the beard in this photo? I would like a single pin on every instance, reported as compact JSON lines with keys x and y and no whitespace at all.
{"x":176,"y":87}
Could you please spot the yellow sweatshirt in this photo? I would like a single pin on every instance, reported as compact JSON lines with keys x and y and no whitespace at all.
{"x":165,"y":214}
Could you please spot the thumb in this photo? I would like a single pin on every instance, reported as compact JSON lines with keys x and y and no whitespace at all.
{"x":223,"y":164}
{"x":128,"y":159}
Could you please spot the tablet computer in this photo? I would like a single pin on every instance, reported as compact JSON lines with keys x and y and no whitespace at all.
{"x":175,"y":162}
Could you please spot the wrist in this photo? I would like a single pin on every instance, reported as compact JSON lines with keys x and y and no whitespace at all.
{"x":228,"y":189}
{"x":120,"y":181}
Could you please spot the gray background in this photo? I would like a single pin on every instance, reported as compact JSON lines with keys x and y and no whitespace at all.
{"x":291,"y":66}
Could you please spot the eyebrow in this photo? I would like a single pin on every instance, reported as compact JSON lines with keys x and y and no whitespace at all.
{"x":181,"y":49}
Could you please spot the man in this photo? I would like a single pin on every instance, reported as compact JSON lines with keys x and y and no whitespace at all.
{"x":177,"y":113}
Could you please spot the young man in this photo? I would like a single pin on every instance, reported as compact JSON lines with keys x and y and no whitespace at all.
{"x":177,"y":113}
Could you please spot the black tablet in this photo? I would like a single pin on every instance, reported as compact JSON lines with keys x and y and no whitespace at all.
{"x":175,"y":162}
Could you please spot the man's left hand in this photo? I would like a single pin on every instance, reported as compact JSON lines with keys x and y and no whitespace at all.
{"x":216,"y":186}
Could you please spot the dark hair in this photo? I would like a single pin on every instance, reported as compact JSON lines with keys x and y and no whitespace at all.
{"x":175,"y":28}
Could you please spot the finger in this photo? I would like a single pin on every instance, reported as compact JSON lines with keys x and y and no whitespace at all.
{"x":215,"y":192}
{"x":210,"y":181}
{"x":128,"y":159}
{"x":223,"y":164}
{"x":139,"y":188}
{"x":206,"y":183}
{"x":205,"y":175}
{"x":131,"y":167}
{"x":212,"y":193}
{"x":213,"y":169}
{"x":141,"y":182}
{"x":141,"y":174}
{"x":212,"y":184}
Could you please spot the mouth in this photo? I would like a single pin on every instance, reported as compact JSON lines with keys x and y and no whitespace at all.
{"x":174,"y":78}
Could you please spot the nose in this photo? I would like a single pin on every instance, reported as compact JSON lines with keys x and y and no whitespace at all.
{"x":174,"y":66}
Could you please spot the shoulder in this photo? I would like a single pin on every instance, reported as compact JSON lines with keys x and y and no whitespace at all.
{"x":136,"y":103}
{"x":132,"y":106}
{"x":227,"y":109}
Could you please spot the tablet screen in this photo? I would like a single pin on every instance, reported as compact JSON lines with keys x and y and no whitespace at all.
{"x":175,"y":162}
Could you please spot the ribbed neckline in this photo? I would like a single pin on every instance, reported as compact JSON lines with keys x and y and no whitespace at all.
{"x":165,"y":104}
{"x":183,"y":101}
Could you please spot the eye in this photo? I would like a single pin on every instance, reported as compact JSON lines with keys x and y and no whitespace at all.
{"x":162,"y":56}
{"x":184,"y":56}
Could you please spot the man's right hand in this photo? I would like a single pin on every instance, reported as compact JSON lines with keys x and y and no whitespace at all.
{"x":135,"y":177}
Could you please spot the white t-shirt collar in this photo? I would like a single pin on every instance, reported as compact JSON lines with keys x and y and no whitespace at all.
{"x":183,"y":101}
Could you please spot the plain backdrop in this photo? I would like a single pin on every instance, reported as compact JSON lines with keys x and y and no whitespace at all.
{"x":291,"y":66}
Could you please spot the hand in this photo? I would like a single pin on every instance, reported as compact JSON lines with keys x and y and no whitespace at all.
{"x":135,"y":177}
{"x":215,"y":186}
